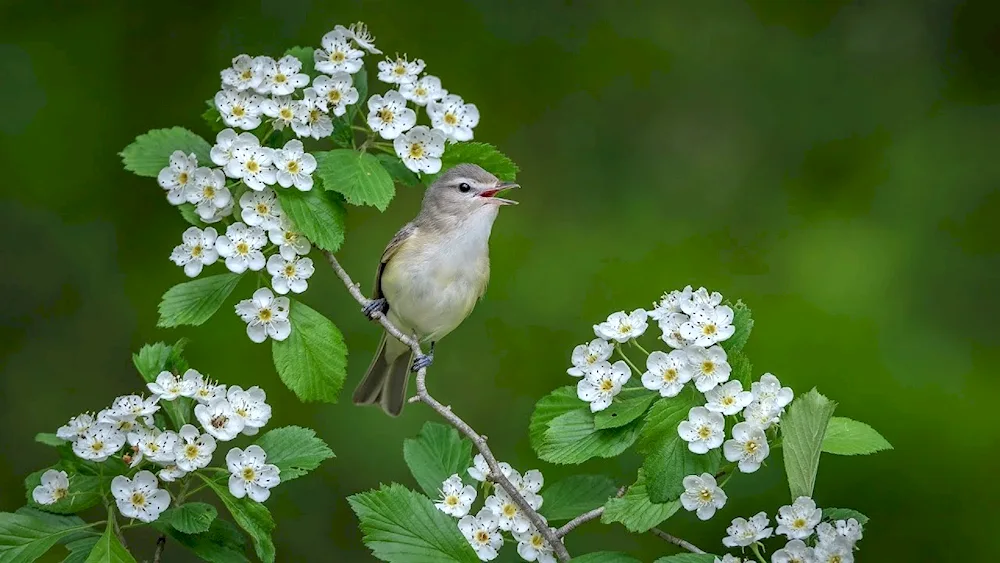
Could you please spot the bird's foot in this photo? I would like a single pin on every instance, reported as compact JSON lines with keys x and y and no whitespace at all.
{"x":379,"y":305}
{"x":424,"y":360}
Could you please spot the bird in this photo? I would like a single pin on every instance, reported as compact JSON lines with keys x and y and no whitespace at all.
{"x":430,"y":276}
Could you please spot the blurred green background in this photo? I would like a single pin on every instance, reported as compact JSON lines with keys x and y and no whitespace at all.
{"x":832,"y":163}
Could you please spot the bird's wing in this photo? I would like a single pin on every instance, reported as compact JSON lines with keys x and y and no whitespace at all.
{"x":397,"y":241}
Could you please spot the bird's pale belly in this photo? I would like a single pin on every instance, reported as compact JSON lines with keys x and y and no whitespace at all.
{"x":431,"y":301}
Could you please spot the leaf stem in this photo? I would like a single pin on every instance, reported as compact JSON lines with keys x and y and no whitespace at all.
{"x":756,"y":551}
{"x":639,"y":346}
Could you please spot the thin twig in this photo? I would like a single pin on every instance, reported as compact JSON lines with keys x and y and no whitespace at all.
{"x":676,"y":540}
{"x":161,"y":542}
{"x":478,"y":440}
{"x":586,"y":517}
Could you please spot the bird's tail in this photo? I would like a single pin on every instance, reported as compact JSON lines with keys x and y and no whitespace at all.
{"x":385,"y":382}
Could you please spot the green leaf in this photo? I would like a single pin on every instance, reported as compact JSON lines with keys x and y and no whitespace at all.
{"x":402,"y":526}
{"x":150,"y":153}
{"x":668,"y":459}
{"x":305,"y":55}
{"x":212,"y":117}
{"x":359,"y":176}
{"x":192,"y":517}
{"x":222,"y":543}
{"x":635,"y":510}
{"x":484,"y":154}
{"x":49,"y":439}
{"x":802,"y":431}
{"x":743,"y":323}
{"x":188,"y":213}
{"x":252,"y":516}
{"x":312,"y":361}
{"x":194,"y":302}
{"x":742,"y":369}
{"x":25,"y":537}
{"x":623,"y":411}
{"x":399,"y":172}
{"x":151,"y":359}
{"x":295,"y":450}
{"x":572,"y":438}
{"x":605,"y":557}
{"x":317,"y":214}
{"x":558,"y":402}
{"x":834,"y":514}
{"x":80,"y":549}
{"x":688,"y":558}
{"x":109,"y":550}
{"x":84,"y":491}
{"x":574,"y":495}
{"x":850,"y":437}
{"x":438,"y":452}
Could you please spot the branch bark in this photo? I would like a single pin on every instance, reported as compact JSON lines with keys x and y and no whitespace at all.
{"x":675,"y":540}
{"x":478,"y":440}
{"x":161,"y":543}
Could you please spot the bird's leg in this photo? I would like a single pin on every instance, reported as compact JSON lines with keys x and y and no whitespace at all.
{"x":424,"y":360}
{"x":379,"y":305}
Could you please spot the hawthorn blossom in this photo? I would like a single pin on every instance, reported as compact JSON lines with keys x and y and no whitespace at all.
{"x":75,"y":427}
{"x":456,"y":499}
{"x":196,"y":251}
{"x":253,"y":164}
{"x":388,"y":115}
{"x":225,"y":142}
{"x":219,"y":419}
{"x":709,"y":366}
{"x":708,"y":325}
{"x":337,"y":54}
{"x":289,"y":275}
{"x":483,"y":533}
{"x":295,"y":166}
{"x":794,"y":551}
{"x":281,"y":110}
{"x":531,"y":546}
{"x":251,"y":406}
{"x":702,"y":495}
{"x":586,"y":355}
{"x":840,"y":550}
{"x":177,"y":176}
{"x":670,"y":329}
{"x":704,"y":430}
{"x":168,"y":386}
{"x":170,"y":473}
{"x":769,"y":389}
{"x":53,"y":488}
{"x":265,"y":315}
{"x":247,"y":72}
{"x":453,"y":117}
{"x":600,"y":385}
{"x":761,"y":414}
{"x":670,"y":304}
{"x":423,"y":91}
{"x":358,"y":33}
{"x":480,"y":470}
{"x":282,"y":77}
{"x":238,"y":108}
{"x":291,"y":243}
{"x":420,"y":149}
{"x":203,"y":390}
{"x":797,"y":521}
{"x":261,"y":209}
{"x":700,"y":299}
{"x":666,"y":373}
{"x":153,"y":444}
{"x":622,"y":327}
{"x":194,"y":450}
{"x":140,"y":497}
{"x":311,"y":118}
{"x":748,"y":447}
{"x":241,"y":247}
{"x":743,"y":532}
{"x":208,"y":193}
{"x":849,"y":529}
{"x":728,"y":398}
{"x":250,"y":475}
{"x":338,"y":91}
{"x":400,"y":70}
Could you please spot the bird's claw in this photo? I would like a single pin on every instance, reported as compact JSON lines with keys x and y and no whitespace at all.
{"x":422,"y":361}
{"x":379,"y":305}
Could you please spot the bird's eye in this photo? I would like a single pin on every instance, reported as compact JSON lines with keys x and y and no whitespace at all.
{"x":464,"y":188}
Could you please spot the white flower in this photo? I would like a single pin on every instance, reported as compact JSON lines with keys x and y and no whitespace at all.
{"x":253,"y":164}
{"x":703,"y":430}
{"x":622,"y":327}
{"x":194,"y":450}
{"x":281,"y":109}
{"x":251,"y":406}
{"x":670,"y":303}
{"x":265,"y":315}
{"x":246,"y":72}
{"x":76,"y":426}
{"x":420,"y":149}
{"x":748,"y":446}
{"x":600,"y":385}
{"x":666,"y":373}
{"x":54,"y":487}
{"x":154,"y":445}
{"x":794,"y":551}
{"x":261,"y":209}
{"x":531,"y":546}
{"x":482,"y":533}
{"x":171,"y":473}
{"x":670,"y":327}
{"x":400,"y":70}
{"x":389,"y":116}
{"x":139,"y":497}
{"x":709,"y":366}
{"x":208,"y":192}
{"x":338,"y":91}
{"x":311,"y":119}
{"x":289,"y":274}
{"x":177,"y":176}
{"x":769,"y":389}
{"x":728,"y":398}
{"x":480,"y":470}
{"x":727,"y":558}
{"x":290,"y":243}
{"x":295,"y":166}
{"x":453,"y":117}
{"x":423,"y":91}
{"x":797,"y":520}
{"x":699,"y":299}
{"x":337,"y":54}
{"x":744,"y":532}
{"x":134,"y":405}
{"x":359,"y":34}
{"x":120,"y":422}
{"x":761,"y":414}
{"x":240,"y":246}
{"x":702,"y":495}
{"x":455,"y":498}
{"x":219,"y":419}
{"x":708,"y":325}
{"x":203,"y":390}
{"x":282,"y":77}
{"x":238,"y":108}
{"x":196,"y":251}
{"x":849,"y":529}
{"x":531,"y":482}
{"x":168,"y":386}
{"x":225,"y":142}
{"x":840,"y":550}
{"x":250,"y":476}
{"x":586,"y":355}
{"x":508,"y":513}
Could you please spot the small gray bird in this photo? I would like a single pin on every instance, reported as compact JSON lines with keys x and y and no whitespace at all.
{"x":431,"y":275}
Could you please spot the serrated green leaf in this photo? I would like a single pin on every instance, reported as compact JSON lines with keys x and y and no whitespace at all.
{"x":358,"y":176}
{"x":188,"y":214}
{"x":150,"y":153}
{"x":84,"y":491}
{"x":802,"y":431}
{"x":743,"y":323}
{"x":399,"y":172}
{"x":570,"y":497}
{"x":212,"y":118}
{"x":317,"y":214}
{"x":742,"y":369}
{"x":151,"y":359}
{"x":222,"y":543}
{"x":667,"y":457}
{"x":295,"y":450}
{"x":558,"y":402}
{"x":194,"y":302}
{"x":438,"y":452}
{"x":26,"y":536}
{"x":623,"y":411}
{"x":109,"y":550}
{"x":191,"y":517}
{"x":850,"y":437}
{"x":49,"y":439}
{"x":304,"y":55}
{"x":252,"y":516}
{"x":834,"y":514}
{"x":572,"y":438}
{"x":605,"y":557}
{"x":688,"y":558}
{"x":635,"y":510}
{"x":80,"y":549}
{"x":484,"y":154}
{"x":312,"y":361}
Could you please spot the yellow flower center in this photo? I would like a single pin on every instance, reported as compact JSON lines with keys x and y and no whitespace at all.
{"x":242,"y":412}
{"x":97,"y":446}
{"x":707,"y":367}
{"x":799,"y":523}
{"x":416,"y":150}
{"x":625,"y":328}
{"x":482,"y":536}
{"x":704,"y":432}
{"x":385,"y":114}
{"x":291,"y":237}
{"x":750,"y":447}
{"x":286,"y":114}
{"x":248,"y":473}
{"x":607,"y":385}
{"x":220,"y":421}
{"x":728,"y":401}
{"x":263,"y":209}
{"x":264,"y":315}
{"x":138,"y":499}
{"x":290,"y":270}
{"x":239,"y":111}
{"x":59,"y":494}
{"x":537,"y":542}
{"x":709,"y":330}
{"x":315,"y":115}
{"x":334,"y":96}
{"x":670,"y":375}
{"x":420,"y":91}
{"x":591,"y":358}
{"x":191,"y":451}
{"x":337,"y":56}
{"x":208,"y":192}
{"x":835,"y":559}
{"x":196,"y":251}
{"x":451,"y":500}
{"x":509,"y":510}
{"x":252,"y":166}
{"x":242,"y":248}
{"x":293,"y":167}
{"x":246,"y":74}
{"x":450,"y":118}
{"x":280,"y":78}
{"x":182,"y":177}
{"x":400,"y":69}
{"x":705,"y":495}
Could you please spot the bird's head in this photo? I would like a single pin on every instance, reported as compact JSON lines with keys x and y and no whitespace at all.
{"x":465,"y":190}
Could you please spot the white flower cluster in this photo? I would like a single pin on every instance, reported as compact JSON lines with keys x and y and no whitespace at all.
{"x":833,"y":543}
{"x":499,"y":514}
{"x":223,"y":414}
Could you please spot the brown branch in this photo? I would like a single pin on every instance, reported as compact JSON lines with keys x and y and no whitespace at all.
{"x":586,"y":517}
{"x":478,"y":440}
{"x":676,"y":540}
{"x":161,"y":543}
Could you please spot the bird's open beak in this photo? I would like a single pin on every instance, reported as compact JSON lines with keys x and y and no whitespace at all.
{"x":502,"y":186}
